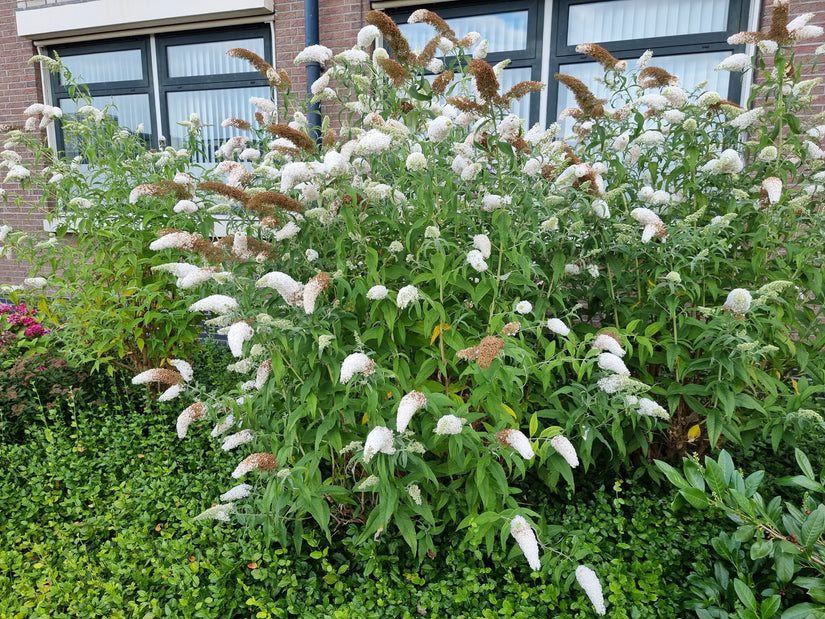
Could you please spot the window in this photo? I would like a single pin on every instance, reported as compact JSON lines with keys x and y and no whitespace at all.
{"x":688,"y":37}
{"x":158,"y":80}
{"x":513,"y":31}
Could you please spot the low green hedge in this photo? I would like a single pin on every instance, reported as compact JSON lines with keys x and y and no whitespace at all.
{"x":96,"y":521}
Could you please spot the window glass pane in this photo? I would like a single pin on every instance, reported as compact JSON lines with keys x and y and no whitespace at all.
{"x":116,"y":66}
{"x":691,"y":69}
{"x":213,"y":107}
{"x":130,"y":111}
{"x":505,"y":31}
{"x":511,"y":77}
{"x":210,"y":58}
{"x":620,"y":20}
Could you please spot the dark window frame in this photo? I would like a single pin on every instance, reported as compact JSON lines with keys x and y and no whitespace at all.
{"x":630,"y":49}
{"x":167,"y":84}
{"x":529,"y":57}
{"x":102,"y":89}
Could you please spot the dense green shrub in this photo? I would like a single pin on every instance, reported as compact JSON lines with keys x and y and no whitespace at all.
{"x":774,"y":562}
{"x":95,"y":521}
{"x":114,"y":312}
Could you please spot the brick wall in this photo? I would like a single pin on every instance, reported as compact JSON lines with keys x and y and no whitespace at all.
{"x":805,"y":51}
{"x":340,"y":21}
{"x":25,"y":90}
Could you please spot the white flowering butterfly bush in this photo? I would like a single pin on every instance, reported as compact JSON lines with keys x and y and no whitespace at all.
{"x":516,"y":303}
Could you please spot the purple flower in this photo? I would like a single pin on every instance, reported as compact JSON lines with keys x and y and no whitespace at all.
{"x":6,"y":308}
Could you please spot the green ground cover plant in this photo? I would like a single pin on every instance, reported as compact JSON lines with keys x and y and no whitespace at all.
{"x":97,"y":521}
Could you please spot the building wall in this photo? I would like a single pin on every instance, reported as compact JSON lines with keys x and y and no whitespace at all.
{"x":805,"y":51}
{"x":19,"y":88}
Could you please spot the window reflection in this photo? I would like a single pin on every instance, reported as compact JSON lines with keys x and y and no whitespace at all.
{"x":621,"y":20}
{"x":115,"y":66}
{"x":213,"y":107}
{"x":210,"y":58}
{"x":505,"y":31}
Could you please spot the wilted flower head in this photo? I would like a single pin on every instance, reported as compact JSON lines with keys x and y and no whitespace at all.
{"x":523,"y":533}
{"x":187,"y":416}
{"x":259,"y":461}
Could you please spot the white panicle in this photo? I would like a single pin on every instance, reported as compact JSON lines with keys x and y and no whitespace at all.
{"x":524,"y":307}
{"x":223,"y":426}
{"x":241,"y":491}
{"x":406,"y":295}
{"x":558,"y":327}
{"x":449,"y":424}
{"x":187,"y":416}
{"x":368,"y":35}
{"x":239,"y":333}
{"x":314,"y":53}
{"x":289,"y":230}
{"x":183,"y":367}
{"x":738,"y":301}
{"x":356,"y":363}
{"x":613,"y":363}
{"x":216,"y":303}
{"x":476,"y":260}
{"x":410,"y":403}
{"x":376,"y":293}
{"x":518,"y":441}
{"x":171,"y":393}
{"x":379,"y":440}
{"x":645,"y":216}
{"x":609,"y":344}
{"x":482,"y":243}
{"x":523,"y":533}
{"x":237,"y":439}
{"x":217,"y":512}
{"x":291,"y":291}
{"x":736,"y":62}
{"x":565,"y":448}
{"x":588,"y":581}
{"x":773,"y":189}
{"x":650,"y":408}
